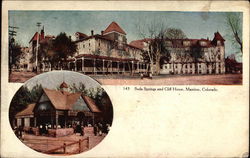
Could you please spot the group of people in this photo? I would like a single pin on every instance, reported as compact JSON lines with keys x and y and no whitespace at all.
{"x":99,"y":129}
{"x":19,"y":131}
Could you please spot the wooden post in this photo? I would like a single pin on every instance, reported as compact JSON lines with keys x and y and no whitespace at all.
{"x":64,"y":148}
{"x":94,"y":66}
{"x":103,"y":63}
{"x":88,"y":142}
{"x":138,"y":67}
{"x":79,"y":145}
{"x":83,"y":64}
{"x":132,"y":68}
{"x":56,"y":119}
{"x":118,"y":67}
{"x":123,"y":68}
{"x":75,"y":65}
{"x":111,"y":66}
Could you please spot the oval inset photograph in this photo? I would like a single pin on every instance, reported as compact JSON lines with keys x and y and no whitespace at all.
{"x":61,"y":113}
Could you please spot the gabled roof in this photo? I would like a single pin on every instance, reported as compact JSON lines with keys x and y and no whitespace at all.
{"x":217,"y":36}
{"x":114,"y":27}
{"x":137,"y":43}
{"x":81,"y":35}
{"x":34,"y":38}
{"x":64,"y":85}
{"x":97,"y":36}
{"x":27,"y":111}
{"x":62,"y":100}
{"x":91,"y":104}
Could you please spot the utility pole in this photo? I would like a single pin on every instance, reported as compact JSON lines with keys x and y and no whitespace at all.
{"x":38,"y":24}
{"x":12,"y":33}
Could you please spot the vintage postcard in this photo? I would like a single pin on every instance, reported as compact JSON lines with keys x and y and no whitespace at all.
{"x":125,"y":79}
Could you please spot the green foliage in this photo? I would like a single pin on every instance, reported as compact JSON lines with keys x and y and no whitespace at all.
{"x":174,"y":33}
{"x":63,"y":47}
{"x":81,"y":88}
{"x":22,"y":98}
{"x":14,"y":53}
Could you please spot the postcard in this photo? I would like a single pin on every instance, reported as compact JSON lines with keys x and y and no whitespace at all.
{"x":125,"y":79}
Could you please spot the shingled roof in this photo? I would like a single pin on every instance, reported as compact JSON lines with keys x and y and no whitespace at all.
{"x":114,"y":27}
{"x":62,"y":100}
{"x":27,"y":111}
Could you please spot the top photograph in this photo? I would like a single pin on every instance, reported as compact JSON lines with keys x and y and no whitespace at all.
{"x":128,"y":47}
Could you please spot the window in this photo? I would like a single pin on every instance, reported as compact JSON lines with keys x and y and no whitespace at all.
{"x":99,"y":44}
{"x":219,"y":57}
{"x":219,"y":49}
{"x":186,"y":66}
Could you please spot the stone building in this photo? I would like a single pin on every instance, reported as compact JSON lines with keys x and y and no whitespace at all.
{"x":191,"y":56}
{"x":107,"y":52}
{"x":110,"y":53}
{"x":28,"y":57}
{"x":103,"y":53}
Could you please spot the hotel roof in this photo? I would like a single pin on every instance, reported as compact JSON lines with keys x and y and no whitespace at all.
{"x":114,"y":27}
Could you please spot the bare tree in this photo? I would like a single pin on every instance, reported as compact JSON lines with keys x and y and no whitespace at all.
{"x":234,"y":23}
{"x":154,"y":37}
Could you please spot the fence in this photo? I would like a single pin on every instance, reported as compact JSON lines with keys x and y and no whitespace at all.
{"x":48,"y":146}
{"x":64,"y":147}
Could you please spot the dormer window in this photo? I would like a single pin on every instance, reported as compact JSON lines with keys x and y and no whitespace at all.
{"x":203,"y":43}
{"x":186,"y":43}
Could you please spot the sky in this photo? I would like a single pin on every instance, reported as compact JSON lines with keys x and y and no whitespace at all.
{"x":52,"y":80}
{"x":194,"y":24}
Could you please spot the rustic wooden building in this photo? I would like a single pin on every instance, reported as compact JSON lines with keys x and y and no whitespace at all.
{"x":59,"y":109}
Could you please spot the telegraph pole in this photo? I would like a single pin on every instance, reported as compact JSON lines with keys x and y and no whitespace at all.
{"x":12,"y":33}
{"x":38,"y":24}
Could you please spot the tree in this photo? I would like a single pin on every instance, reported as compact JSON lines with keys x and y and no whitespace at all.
{"x":15,"y":53}
{"x":173,"y":33}
{"x":63,"y":47}
{"x":182,"y":57}
{"x":154,"y":35}
{"x":81,"y":88}
{"x":234,"y":24}
{"x":22,"y":99}
{"x":46,"y":51}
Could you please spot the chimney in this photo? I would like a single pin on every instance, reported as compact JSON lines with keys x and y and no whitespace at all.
{"x":102,"y":32}
{"x":92,"y":33}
